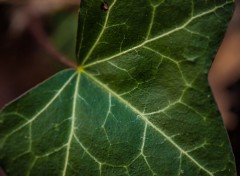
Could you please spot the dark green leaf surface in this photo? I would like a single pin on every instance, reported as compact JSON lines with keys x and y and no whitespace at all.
{"x":139,"y":104}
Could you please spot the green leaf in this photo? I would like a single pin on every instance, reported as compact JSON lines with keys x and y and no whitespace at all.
{"x":139,"y":104}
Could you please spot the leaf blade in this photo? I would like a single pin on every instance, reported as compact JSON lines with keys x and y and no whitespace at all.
{"x":133,"y":110}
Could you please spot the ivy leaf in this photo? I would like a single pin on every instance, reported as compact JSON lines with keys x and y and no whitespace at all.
{"x":139,"y":103}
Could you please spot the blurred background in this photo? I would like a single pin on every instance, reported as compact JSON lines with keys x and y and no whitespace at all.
{"x":36,"y":37}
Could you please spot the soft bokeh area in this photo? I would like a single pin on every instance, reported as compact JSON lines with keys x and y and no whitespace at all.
{"x":33,"y":35}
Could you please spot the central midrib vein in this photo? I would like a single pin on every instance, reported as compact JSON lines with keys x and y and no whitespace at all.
{"x":71,"y":135}
{"x":100,"y":34}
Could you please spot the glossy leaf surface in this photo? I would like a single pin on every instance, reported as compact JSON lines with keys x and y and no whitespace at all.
{"x":139,"y":104}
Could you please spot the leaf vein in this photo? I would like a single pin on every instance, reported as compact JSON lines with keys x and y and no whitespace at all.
{"x":157,"y":37}
{"x":42,"y":110}
{"x":100,"y":34}
{"x":144,"y":118}
{"x":72,"y":125}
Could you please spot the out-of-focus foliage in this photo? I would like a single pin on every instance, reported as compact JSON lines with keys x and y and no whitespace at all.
{"x":64,"y":32}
